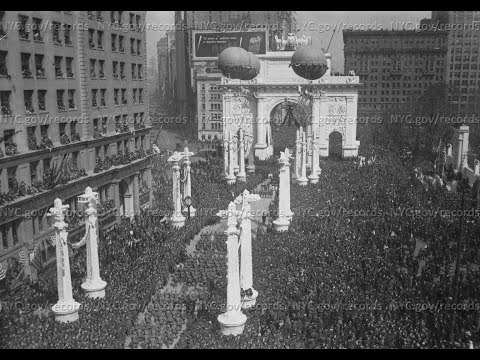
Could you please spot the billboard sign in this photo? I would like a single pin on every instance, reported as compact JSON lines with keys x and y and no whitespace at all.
{"x":208,"y":45}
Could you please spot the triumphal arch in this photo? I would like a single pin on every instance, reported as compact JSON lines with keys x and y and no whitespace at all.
{"x":330,"y":102}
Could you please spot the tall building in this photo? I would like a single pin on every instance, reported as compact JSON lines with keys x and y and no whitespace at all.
{"x":463,"y":59}
{"x":398,"y":68}
{"x":162,"y":62}
{"x":202,"y":76}
{"x":74,"y":113}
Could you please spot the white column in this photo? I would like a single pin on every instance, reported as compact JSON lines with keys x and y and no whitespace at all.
{"x":94,"y":286}
{"x":261,"y":144}
{"x":178,"y":220}
{"x":235,"y":153}
{"x":232,"y":322}
{"x":309,"y":147}
{"x":298,"y":154}
{"x":251,"y":160}
{"x":188,"y":181}
{"x":246,"y":275}
{"x":66,"y":309}
{"x":288,"y":211}
{"x":241,"y":175}
{"x":282,"y":223}
{"x":231,"y":179}
{"x":225,"y":154}
{"x":302,"y":180}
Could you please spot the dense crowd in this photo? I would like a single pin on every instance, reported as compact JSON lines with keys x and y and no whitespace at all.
{"x":345,"y":276}
{"x":368,"y":262}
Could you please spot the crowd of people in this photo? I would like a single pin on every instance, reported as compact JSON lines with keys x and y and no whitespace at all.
{"x":349,"y":272}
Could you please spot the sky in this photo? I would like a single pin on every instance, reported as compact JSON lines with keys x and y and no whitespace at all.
{"x":317,"y":24}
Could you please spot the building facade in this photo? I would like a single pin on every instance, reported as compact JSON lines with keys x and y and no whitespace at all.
{"x":209,"y":104}
{"x":463,"y":59}
{"x":203,"y":77}
{"x":74,"y":113}
{"x":397,"y":68}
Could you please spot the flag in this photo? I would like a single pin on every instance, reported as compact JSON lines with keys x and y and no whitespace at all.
{"x":22,"y":258}
{"x":3,"y":273}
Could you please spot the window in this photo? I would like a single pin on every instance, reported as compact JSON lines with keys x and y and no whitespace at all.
{"x":132,"y":46}
{"x":60,"y":103}
{"x":68,"y":39}
{"x":39,"y":69}
{"x":69,"y":62}
{"x":139,"y":42}
{"x":120,"y":16}
{"x":56,"y":33}
{"x":99,"y":16}
{"x":28,"y":98}
{"x":37,"y":26}
{"x":71,"y":99}
{"x":121,"y":45}
{"x":115,"y":96}
{"x":25,"y":61}
{"x":91,"y":42}
{"x":33,"y":171}
{"x":73,"y":131}
{"x":2,"y":30}
{"x":140,"y":96}
{"x":112,"y":17}
{"x":115,"y":69}
{"x":132,"y":17}
{"x":12,"y":177}
{"x":122,"y":70}
{"x":101,"y":65}
{"x":22,"y":27}
{"x":94,"y":98}
{"x":3,"y":63}
{"x":124,"y":97}
{"x":42,"y":106}
{"x":134,"y":71}
{"x":104,"y":131}
{"x":134,"y":96}
{"x":100,"y":40}
{"x":93,"y":72}
{"x":5,"y":102}
{"x":138,"y":22}
{"x":58,"y":67}
{"x":140,"y":72}
{"x":103,"y":103}
{"x":114,"y":42}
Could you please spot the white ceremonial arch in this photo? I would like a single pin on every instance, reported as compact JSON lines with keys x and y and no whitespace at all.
{"x":329,"y":102}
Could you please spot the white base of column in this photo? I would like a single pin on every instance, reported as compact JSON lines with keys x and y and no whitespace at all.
{"x":251,"y":169}
{"x":193,"y":211}
{"x":313,"y":179}
{"x":94,"y":289}
{"x":66,"y":311}
{"x":302,"y":181}
{"x":232,"y":322}
{"x":281,"y":224}
{"x":249,"y":301}
{"x":177,"y":221}
{"x":242,"y":176}
{"x":289,"y":214}
{"x":231,"y":179}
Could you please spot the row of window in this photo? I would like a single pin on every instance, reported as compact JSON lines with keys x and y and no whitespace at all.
{"x":36,"y":27}
{"x":433,"y":41}
{"x":118,"y":70}
{"x":117,"y":17}
{"x":95,"y":41}
{"x":213,"y":106}
{"x":40,"y":105}
{"x":38,"y":63}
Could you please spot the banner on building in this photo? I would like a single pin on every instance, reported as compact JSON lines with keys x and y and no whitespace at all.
{"x":211,"y":44}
